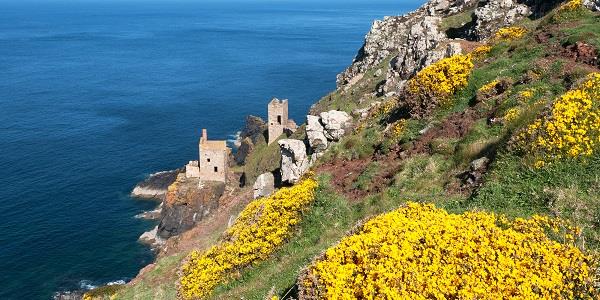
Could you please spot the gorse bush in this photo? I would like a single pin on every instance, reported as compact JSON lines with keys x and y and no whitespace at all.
{"x":434,"y":85}
{"x":571,"y":128}
{"x":570,"y":10}
{"x":510,"y":33}
{"x":263,"y":226}
{"x":421,"y":252}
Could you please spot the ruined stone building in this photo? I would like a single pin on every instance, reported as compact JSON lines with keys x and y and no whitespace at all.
{"x":278,"y":120}
{"x":213,"y":160}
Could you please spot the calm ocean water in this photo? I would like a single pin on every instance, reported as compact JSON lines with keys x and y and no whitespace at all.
{"x":94,"y":97}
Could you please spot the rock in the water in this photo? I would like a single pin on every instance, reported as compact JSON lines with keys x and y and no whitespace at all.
{"x":156,"y":185}
{"x":315,"y":134}
{"x":294,"y":160}
{"x":264,"y":185}
{"x":68,"y":295}
{"x":151,"y":237}
{"x":335,"y":122}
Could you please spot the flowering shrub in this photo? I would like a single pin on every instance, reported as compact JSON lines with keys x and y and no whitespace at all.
{"x":481,"y":51}
{"x":434,"y":85}
{"x":512,"y":114}
{"x":263,"y":226}
{"x":526,"y":94}
{"x":386,"y":107}
{"x":570,"y":10}
{"x":510,"y":33}
{"x":421,"y":252}
{"x":489,"y":86}
{"x":572,"y":5}
{"x":397,"y":129}
{"x":570,"y":129}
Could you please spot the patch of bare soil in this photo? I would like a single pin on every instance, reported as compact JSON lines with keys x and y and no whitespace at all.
{"x":582,"y":53}
{"x":345,"y":173}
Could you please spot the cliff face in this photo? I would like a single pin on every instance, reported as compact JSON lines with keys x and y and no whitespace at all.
{"x":186,"y":204}
{"x":420,"y":38}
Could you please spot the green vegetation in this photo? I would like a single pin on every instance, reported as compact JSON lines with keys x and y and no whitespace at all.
{"x":431,"y":167}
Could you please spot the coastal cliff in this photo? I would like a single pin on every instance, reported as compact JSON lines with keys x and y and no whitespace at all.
{"x":473,"y":109}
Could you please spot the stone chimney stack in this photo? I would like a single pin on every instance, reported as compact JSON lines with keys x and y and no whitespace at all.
{"x":204,"y":135}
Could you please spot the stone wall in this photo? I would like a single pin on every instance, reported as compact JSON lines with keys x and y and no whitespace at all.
{"x":192,"y":170}
{"x":277,"y":118}
{"x":213,"y":164}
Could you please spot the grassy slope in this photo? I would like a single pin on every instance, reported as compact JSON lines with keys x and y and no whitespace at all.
{"x":568,"y":189}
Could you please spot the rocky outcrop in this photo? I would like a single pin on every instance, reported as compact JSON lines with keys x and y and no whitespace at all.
{"x":156,"y":185}
{"x":294,"y":160}
{"x":264,"y":185}
{"x":411,"y":36}
{"x":592,"y":4}
{"x":496,"y":14}
{"x":335,"y":123}
{"x":315,"y":134}
{"x":151,"y":238}
{"x":68,"y":295}
{"x":253,"y":132}
{"x":187,"y":202}
{"x":244,"y":149}
{"x":399,"y":72}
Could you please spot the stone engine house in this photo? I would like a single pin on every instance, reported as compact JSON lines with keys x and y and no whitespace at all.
{"x":213,"y":162}
{"x":278,"y":120}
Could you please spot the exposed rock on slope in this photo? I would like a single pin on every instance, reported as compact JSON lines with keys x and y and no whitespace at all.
{"x":252,"y":133}
{"x":294,"y":161}
{"x":410,"y":36}
{"x":264,"y":185}
{"x":315,"y":133}
{"x":496,"y":14}
{"x":592,"y":4}
{"x":335,"y":123}
{"x":186,"y":204}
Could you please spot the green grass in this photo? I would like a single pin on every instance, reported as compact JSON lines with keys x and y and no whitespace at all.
{"x":568,"y":189}
{"x":264,"y":158}
{"x":457,"y":21}
{"x":564,"y":188}
{"x":363,"y":182}
{"x":159,"y":283}
{"x":350,"y":99}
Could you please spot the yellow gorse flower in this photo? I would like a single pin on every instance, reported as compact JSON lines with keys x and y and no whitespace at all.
{"x":512,"y":114}
{"x":570,"y":129}
{"x":262,"y":226}
{"x":572,"y":5}
{"x":397,"y":129}
{"x":489,"y":86}
{"x":422,"y":252}
{"x":481,"y":51}
{"x":443,"y":78}
{"x":510,"y":33}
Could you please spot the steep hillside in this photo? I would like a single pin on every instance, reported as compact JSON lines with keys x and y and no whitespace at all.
{"x":483,"y":116}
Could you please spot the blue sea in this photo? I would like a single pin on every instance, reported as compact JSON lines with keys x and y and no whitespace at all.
{"x":94,"y":96}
